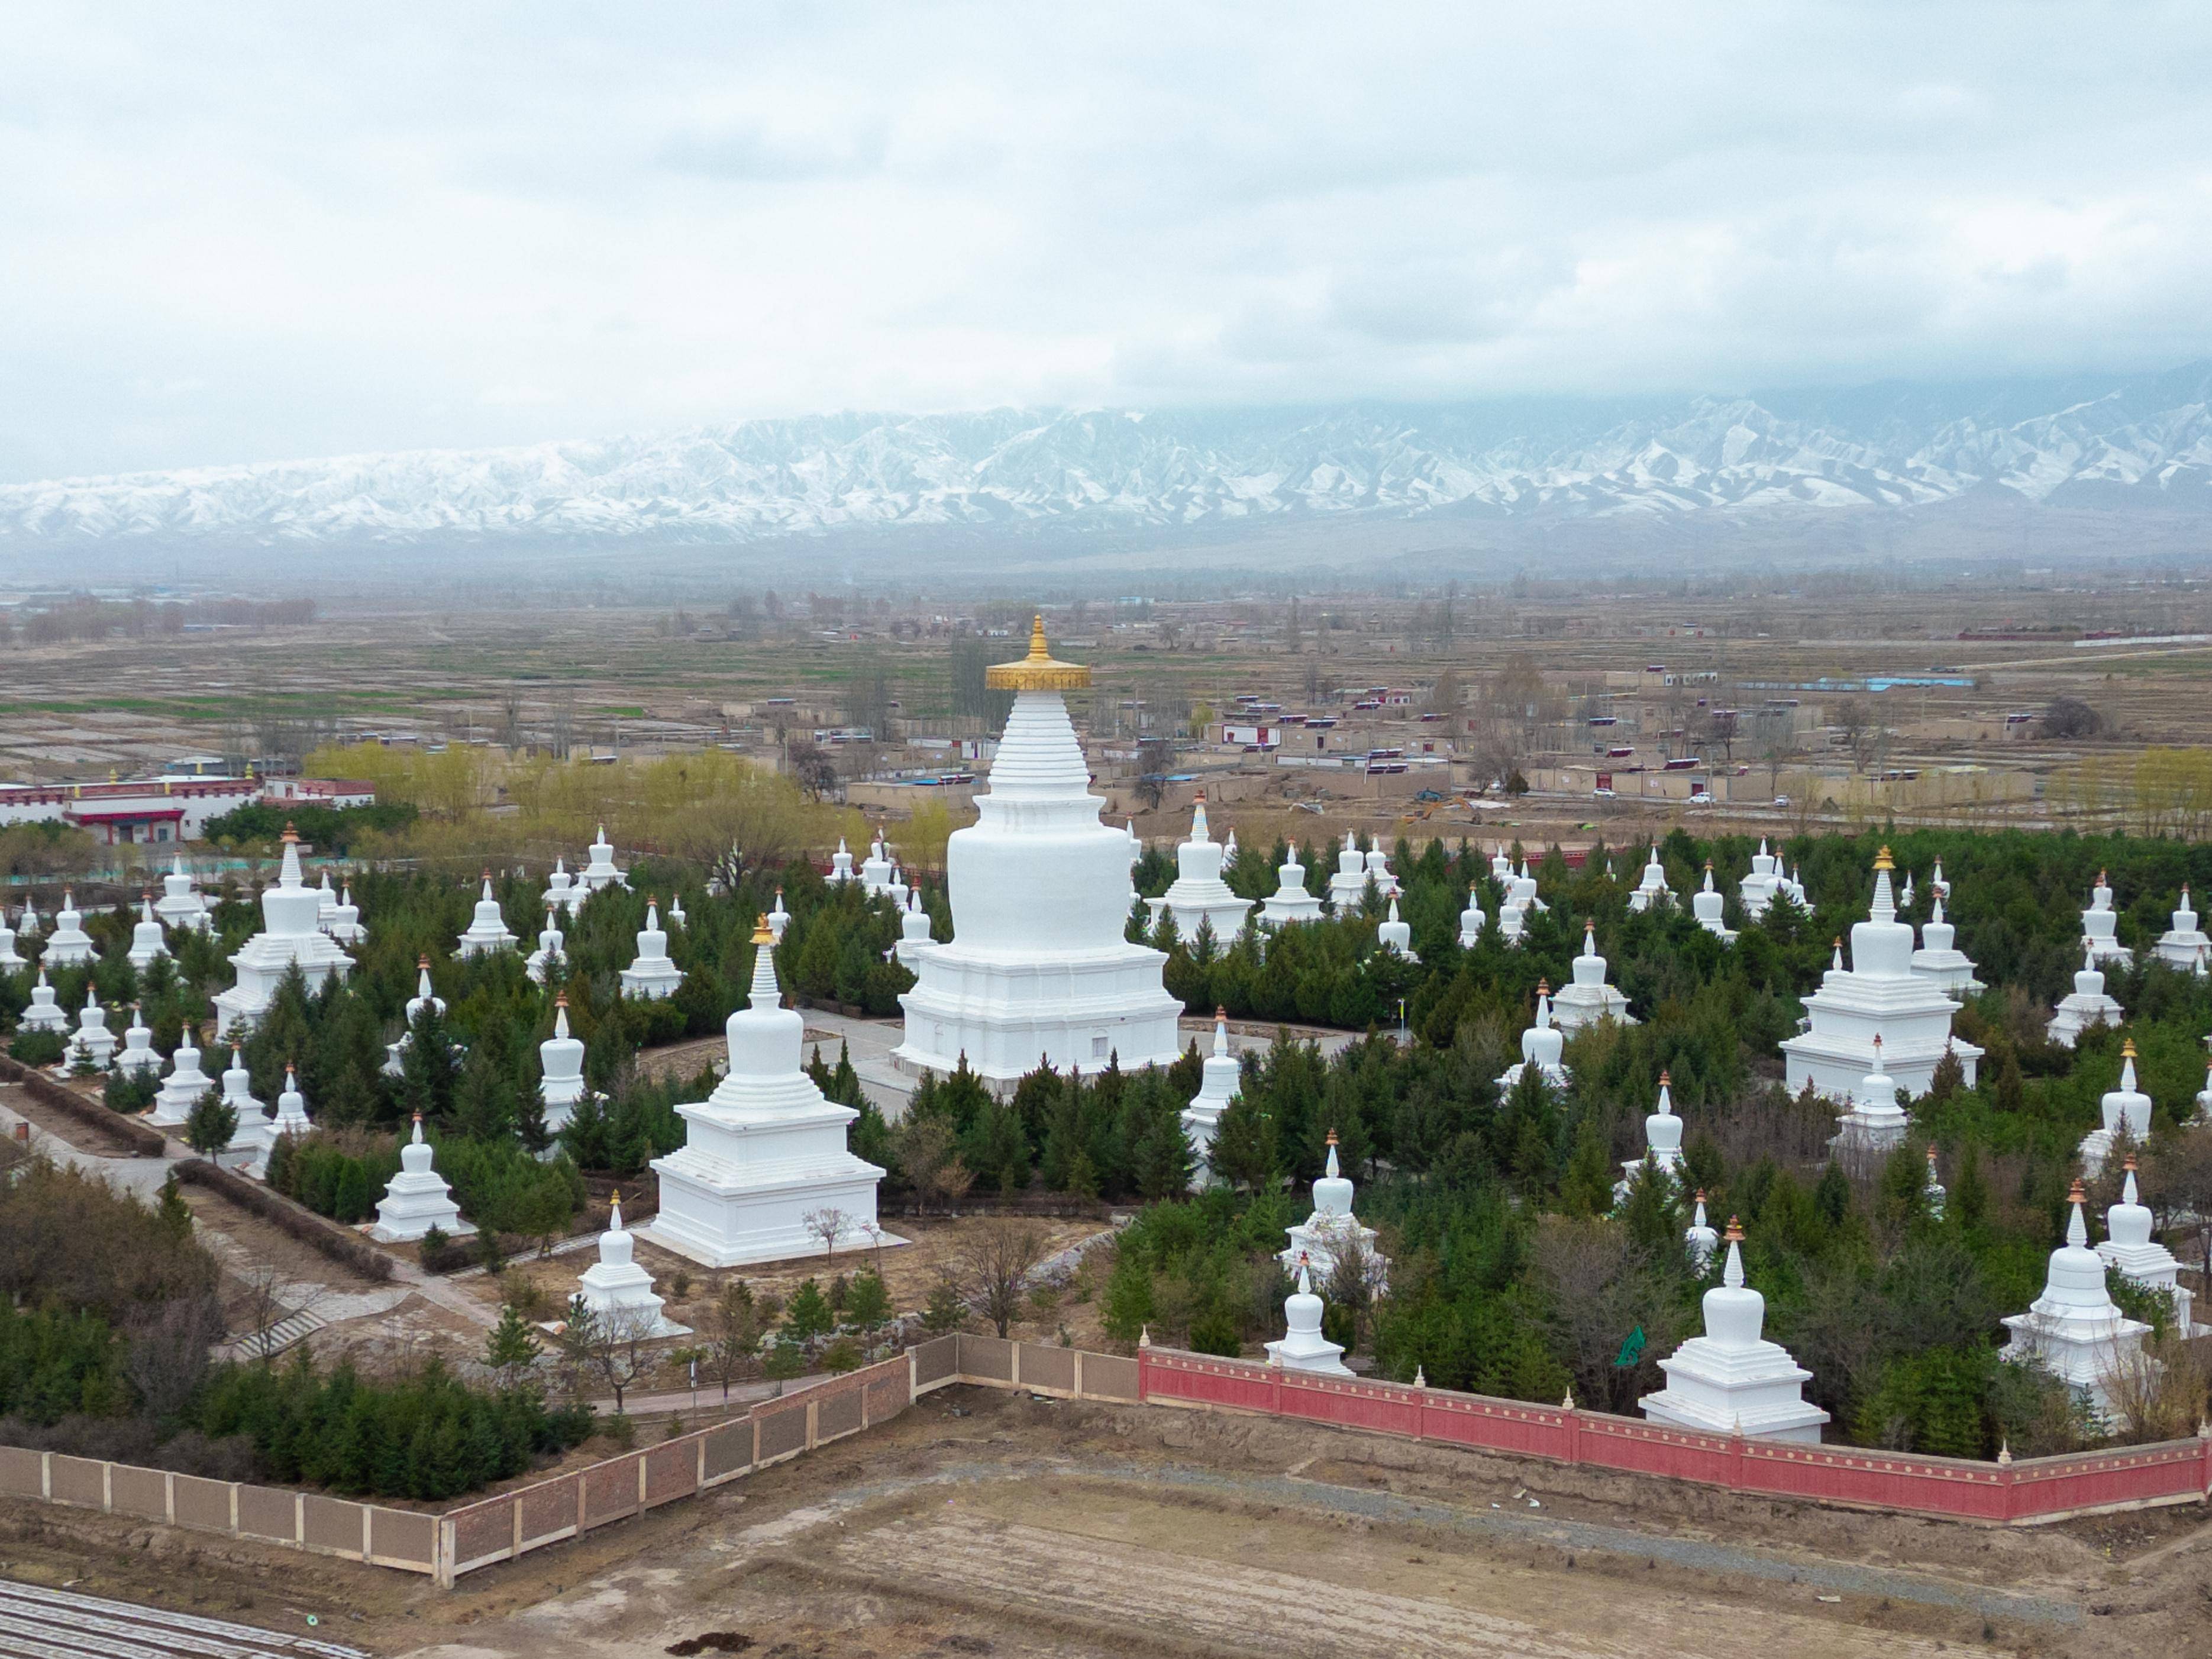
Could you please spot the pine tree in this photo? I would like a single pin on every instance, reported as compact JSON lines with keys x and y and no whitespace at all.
{"x":210,"y":1124}
{"x":176,"y":1215}
{"x":512,"y":1350}
{"x":1968,"y":1206}
{"x":1586,"y":1189}
{"x":1128,"y":1303}
{"x":867,"y":1304}
{"x":808,"y":1316}
{"x":1246,"y":1153}
{"x":1831,"y":1196}
{"x":1651,"y":1214}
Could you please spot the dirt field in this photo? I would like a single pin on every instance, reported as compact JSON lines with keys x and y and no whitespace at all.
{"x":981,"y":1522}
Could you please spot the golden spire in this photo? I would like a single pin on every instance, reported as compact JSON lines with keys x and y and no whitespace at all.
{"x":1882,"y":860}
{"x":1039,"y":670}
{"x":1331,"y":1137}
{"x":290,"y":836}
{"x":1734,"y":1233}
{"x":761,"y":935}
{"x":2128,"y":1049}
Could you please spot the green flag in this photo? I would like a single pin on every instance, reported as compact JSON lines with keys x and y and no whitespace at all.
{"x":1631,"y":1351}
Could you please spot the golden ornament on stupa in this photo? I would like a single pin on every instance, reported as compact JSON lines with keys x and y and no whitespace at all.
{"x":1038,"y":671}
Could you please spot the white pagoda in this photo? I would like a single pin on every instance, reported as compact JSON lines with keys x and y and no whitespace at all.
{"x":2141,"y":1258}
{"x":914,"y":939}
{"x":1038,"y":965}
{"x":1471,"y":920}
{"x":1217,"y":1086}
{"x":424,"y":997}
{"x":1520,"y":900}
{"x":599,"y":873}
{"x":1378,"y":872}
{"x":289,"y":933}
{"x":343,"y":923}
{"x":778,"y":918}
{"x":1757,"y":890}
{"x":291,"y":1118}
{"x":764,"y":1157}
{"x":180,"y":904}
{"x":487,"y":931}
{"x":2086,"y":1005}
{"x":1348,"y":885}
{"x":2204,"y":1095}
{"x":1879,"y":994}
{"x":1332,"y":1234}
{"x":1392,"y":934}
{"x":1289,"y":902}
{"x":652,"y":976}
{"x":1731,"y":1380}
{"x":560,"y":1070}
{"x":1706,"y":904}
{"x":326,"y":903}
{"x":552,"y":946}
{"x":877,"y":870}
{"x":560,"y":889}
{"x":11,"y":958}
{"x":44,"y":1014}
{"x":1588,"y":998}
{"x":1699,"y":1241}
{"x":1662,"y":1144}
{"x":2074,"y":1328}
{"x":1303,"y":1348}
{"x":417,"y":1198}
{"x":1938,"y":961}
{"x":93,"y":1041}
{"x":1199,"y":895}
{"x":2184,"y":946}
{"x":2124,"y":1107}
{"x":1874,"y":1121}
{"x":2098,"y":925}
{"x":246,"y":1141}
{"x":841,"y":866}
{"x":617,"y":1293}
{"x":69,"y":945}
{"x":137,"y":1055}
{"x":182,"y":1089}
{"x":147,"y":941}
{"x":1652,"y":888}
{"x":1541,"y":1045}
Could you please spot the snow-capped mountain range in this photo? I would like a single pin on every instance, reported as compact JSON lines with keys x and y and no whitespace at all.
{"x":2086,"y":442}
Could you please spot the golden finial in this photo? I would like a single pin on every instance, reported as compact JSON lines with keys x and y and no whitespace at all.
{"x":291,"y":836}
{"x":1331,"y":1137}
{"x":1881,"y":860}
{"x":560,"y":998}
{"x":2127,"y":1048}
{"x":1734,"y":1233}
{"x":1666,"y":1079}
{"x":2076,"y":1196}
{"x":1039,"y":670}
{"x":2128,"y":1163}
{"x":761,"y":935}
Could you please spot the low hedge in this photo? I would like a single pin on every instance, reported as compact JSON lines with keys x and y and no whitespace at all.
{"x":301,"y":1223}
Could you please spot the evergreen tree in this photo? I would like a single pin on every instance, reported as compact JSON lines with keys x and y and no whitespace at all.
{"x":1246,"y":1152}
{"x":1586,"y":1189}
{"x":211,"y":1123}
{"x":512,"y":1349}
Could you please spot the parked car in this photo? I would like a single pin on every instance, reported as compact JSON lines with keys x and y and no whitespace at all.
{"x":1703,"y":798}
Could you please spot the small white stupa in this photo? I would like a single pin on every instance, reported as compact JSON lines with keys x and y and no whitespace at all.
{"x":560,"y":889}
{"x":1541,"y":1045}
{"x":600,"y":873}
{"x":676,"y":918}
{"x":2086,"y":1005}
{"x":289,"y":933}
{"x":1348,"y":884}
{"x":841,"y":866}
{"x":1392,"y":934}
{"x":326,"y":903}
{"x":914,"y":940}
{"x":2075,"y":1327}
{"x":1699,"y":1241}
{"x":1874,"y":1121}
{"x":1588,"y":998}
{"x":1217,"y":1082}
{"x":652,"y":976}
{"x":778,"y":918}
{"x":345,"y":924}
{"x":552,"y":946}
{"x":2098,"y":925}
{"x":1471,"y":920}
{"x":180,"y":904}
{"x":1932,"y":1195}
{"x":1199,"y":893}
{"x":2126,"y":1107}
{"x":1707,"y":905}
{"x":29,"y":928}
{"x":245,"y":1136}
{"x":2204,"y":1095}
{"x":764,"y":1156}
{"x":488,"y":932}
{"x":182,"y":1089}
{"x":291,"y":1120}
{"x":2142,"y":1259}
{"x":92,"y":1040}
{"x":424,"y":997}
{"x":897,"y":890}
{"x":1303,"y":1348}
{"x":69,"y":945}
{"x":137,"y":1055}
{"x":1289,"y":902}
{"x":11,"y":958}
{"x":617,"y":1293}
{"x":876,"y":870}
{"x":560,"y":1070}
{"x":1652,"y":888}
{"x":44,"y":1014}
{"x":2184,"y":946}
{"x":1941,"y":963}
{"x":1757,"y":890}
{"x":1331,"y":1233}
{"x":1378,"y":871}
{"x":1662,"y":1144}
{"x":417,"y":1198}
{"x":1731,"y":1380}
{"x":1520,"y":901}
{"x":146,"y":936}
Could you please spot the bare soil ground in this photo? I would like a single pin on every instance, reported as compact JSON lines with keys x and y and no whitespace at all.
{"x":85,"y":1136}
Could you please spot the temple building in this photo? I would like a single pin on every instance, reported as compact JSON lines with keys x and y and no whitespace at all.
{"x":69,"y":945}
{"x":1873,"y":1120}
{"x":2074,"y":1328}
{"x":2085,"y":1005}
{"x":289,"y":933}
{"x":1198,"y":894}
{"x":652,"y":975}
{"x":1588,"y":998}
{"x":487,"y":931}
{"x":180,"y":904}
{"x":1303,"y":1348}
{"x":1332,"y":1234}
{"x":552,"y":946}
{"x":2141,"y":1258}
{"x":1038,"y":966}
{"x":2184,"y":946}
{"x":291,"y":1118}
{"x":1652,"y":888}
{"x":1392,"y":934}
{"x":417,"y":1198}
{"x":2126,"y":1108}
{"x":599,"y":873}
{"x":2099,"y":923}
{"x":617,"y":1293}
{"x":1707,"y":904}
{"x":1941,"y":963}
{"x":1731,"y":1380}
{"x":1541,"y":1045}
{"x":182,"y":1089}
{"x":1217,"y":1082}
{"x":1879,"y":994}
{"x":764,"y":1157}
{"x":1662,"y":1144}
{"x":560,"y":1070}
{"x":1289,"y":902}
{"x":147,"y":940}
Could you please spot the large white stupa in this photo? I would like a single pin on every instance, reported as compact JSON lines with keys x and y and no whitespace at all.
{"x":2099,"y":923}
{"x":841,"y":866}
{"x":1038,"y":965}
{"x":1939,"y":961}
{"x":1347,"y":883}
{"x":181,"y":904}
{"x":138,"y":1056}
{"x":93,"y":1042}
{"x":1708,"y":905}
{"x":1396,"y":936}
{"x":290,"y":913}
{"x":2075,"y":1327}
{"x":1878,"y":995}
{"x":1217,"y":1083}
{"x":1731,"y":1380}
{"x":1332,"y":1234}
{"x":552,"y":946}
{"x":1872,"y":1120}
{"x":1472,"y":920}
{"x":2126,"y":1108}
{"x":2185,"y":945}
{"x":1588,"y":998}
{"x":1198,"y":893}
{"x":2141,"y":1258}
{"x":343,"y":923}
{"x":291,"y":1118}
{"x":2087,"y":1003}
{"x":69,"y":945}
{"x":766,"y":1151}
{"x":1289,"y":902}
{"x":561,"y":889}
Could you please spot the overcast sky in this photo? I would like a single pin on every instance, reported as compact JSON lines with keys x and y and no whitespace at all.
{"x":230,"y":234}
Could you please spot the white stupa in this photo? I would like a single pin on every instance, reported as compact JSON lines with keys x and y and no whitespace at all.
{"x":1941,"y":962}
{"x":345,"y":924}
{"x":180,"y":904}
{"x":1038,"y":964}
{"x":1879,"y":994}
{"x":1303,"y":1348}
{"x":1541,"y":1045}
{"x":1501,"y":865}
{"x":417,"y":1198}
{"x":1873,"y":1120}
{"x":326,"y":903}
{"x":2124,"y":1107}
{"x":778,"y":918}
{"x":11,"y":958}
{"x":1471,"y":920}
{"x":29,"y":928}
{"x":1378,"y":872}
{"x":1731,"y":1380}
{"x":44,"y":1014}
{"x":560,"y":1070}
{"x":1588,"y":998}
{"x":1932,"y":1195}
{"x":552,"y":946}
{"x":841,"y":866}
{"x":2142,"y":1259}
{"x":2204,"y":1095}
{"x":1652,"y":888}
{"x":561,"y":888}
{"x":897,"y":890}
{"x":1699,"y":1241}
{"x":1289,"y":902}
{"x":600,"y":872}
{"x":137,"y":1055}
{"x":1199,"y":895}
{"x":2184,"y":946}
{"x":2098,"y":925}
{"x":652,"y":975}
{"x":617,"y":1293}
{"x":914,"y":940}
{"x":1348,"y":884}
{"x":2086,"y":1005}
{"x":291,"y":1118}
{"x":1519,"y":901}
{"x":1707,"y":905}
{"x":182,"y":1089}
{"x":1392,"y":934}
{"x":676,"y":918}
{"x":1218,"y":1081}
{"x":877,"y":870}
{"x":69,"y":945}
{"x":766,"y":1149}
{"x":2074,"y":1328}
{"x":289,"y":933}
{"x":487,"y":931}
{"x":1757,"y":890}
{"x":147,"y":941}
{"x":424,"y":997}
{"x":1331,"y":1233}
{"x":245,"y":1135}
{"x":93,"y":1040}
{"x":1662,"y":1144}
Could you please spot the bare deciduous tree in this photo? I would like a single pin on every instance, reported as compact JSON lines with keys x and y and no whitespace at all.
{"x":993,"y":1265}
{"x":829,"y":1225}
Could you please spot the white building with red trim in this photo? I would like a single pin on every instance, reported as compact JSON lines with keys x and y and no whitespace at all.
{"x":149,"y":811}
